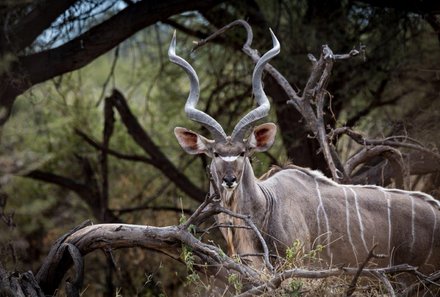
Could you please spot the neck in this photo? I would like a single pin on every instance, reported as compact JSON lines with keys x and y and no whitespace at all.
{"x":247,"y":198}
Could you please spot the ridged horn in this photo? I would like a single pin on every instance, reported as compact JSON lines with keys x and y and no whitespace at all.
{"x":263,"y":108}
{"x":190,"y":107}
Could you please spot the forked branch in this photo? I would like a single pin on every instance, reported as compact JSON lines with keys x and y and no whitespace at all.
{"x":311,"y":102}
{"x":402,"y":141}
{"x":314,"y":93}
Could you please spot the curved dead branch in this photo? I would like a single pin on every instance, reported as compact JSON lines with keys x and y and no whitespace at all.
{"x":70,"y":249}
{"x":393,"y":155}
{"x":424,"y":281}
{"x":387,"y":148}
{"x":167,"y":240}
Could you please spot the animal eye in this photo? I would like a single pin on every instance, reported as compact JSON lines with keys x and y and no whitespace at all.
{"x":242,"y":154}
{"x":216,"y":155}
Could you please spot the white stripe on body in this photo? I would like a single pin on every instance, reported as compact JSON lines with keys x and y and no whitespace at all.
{"x":432,"y":236}
{"x":413,"y":227}
{"x":387,"y":198}
{"x":361,"y":225}
{"x":413,"y":195}
{"x":347,"y":214}
{"x":387,"y":195}
{"x":322,"y":209}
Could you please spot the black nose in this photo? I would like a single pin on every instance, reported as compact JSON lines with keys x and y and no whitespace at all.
{"x":229,"y":180}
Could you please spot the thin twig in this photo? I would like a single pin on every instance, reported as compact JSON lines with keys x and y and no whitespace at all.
{"x":359,"y":138}
{"x":352,"y":286}
{"x":215,"y":226}
{"x":251,"y":224}
{"x":215,"y":196}
{"x":425,"y":280}
{"x":276,"y":281}
{"x":208,"y":199}
{"x":382,"y":277}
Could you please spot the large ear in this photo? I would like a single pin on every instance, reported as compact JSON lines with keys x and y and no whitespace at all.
{"x":262,"y":137}
{"x":192,"y":142}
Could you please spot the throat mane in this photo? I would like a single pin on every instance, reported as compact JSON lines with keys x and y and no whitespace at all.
{"x":228,"y":197}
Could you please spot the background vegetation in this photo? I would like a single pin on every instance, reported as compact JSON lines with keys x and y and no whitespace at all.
{"x":59,"y":61}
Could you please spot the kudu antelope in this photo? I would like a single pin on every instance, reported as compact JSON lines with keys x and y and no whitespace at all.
{"x":301,"y":204}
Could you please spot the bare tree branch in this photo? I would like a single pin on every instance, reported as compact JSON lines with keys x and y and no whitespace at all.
{"x":399,"y":167}
{"x":390,"y":141}
{"x":35,"y":68}
{"x":109,"y":123}
{"x":276,"y":281}
{"x":158,"y":159}
{"x":61,"y":181}
{"x":386,"y":282}
{"x":352,"y":286}
{"x":381,"y":174}
{"x":314,"y":93}
{"x":369,"y":152}
{"x":167,"y":240}
{"x":432,"y":279}
{"x":182,"y":28}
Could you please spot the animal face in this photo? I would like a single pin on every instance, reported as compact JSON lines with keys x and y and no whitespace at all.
{"x":227,"y":163}
{"x":228,"y":157}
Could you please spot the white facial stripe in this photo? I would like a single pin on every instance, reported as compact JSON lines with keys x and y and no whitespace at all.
{"x":229,"y":158}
